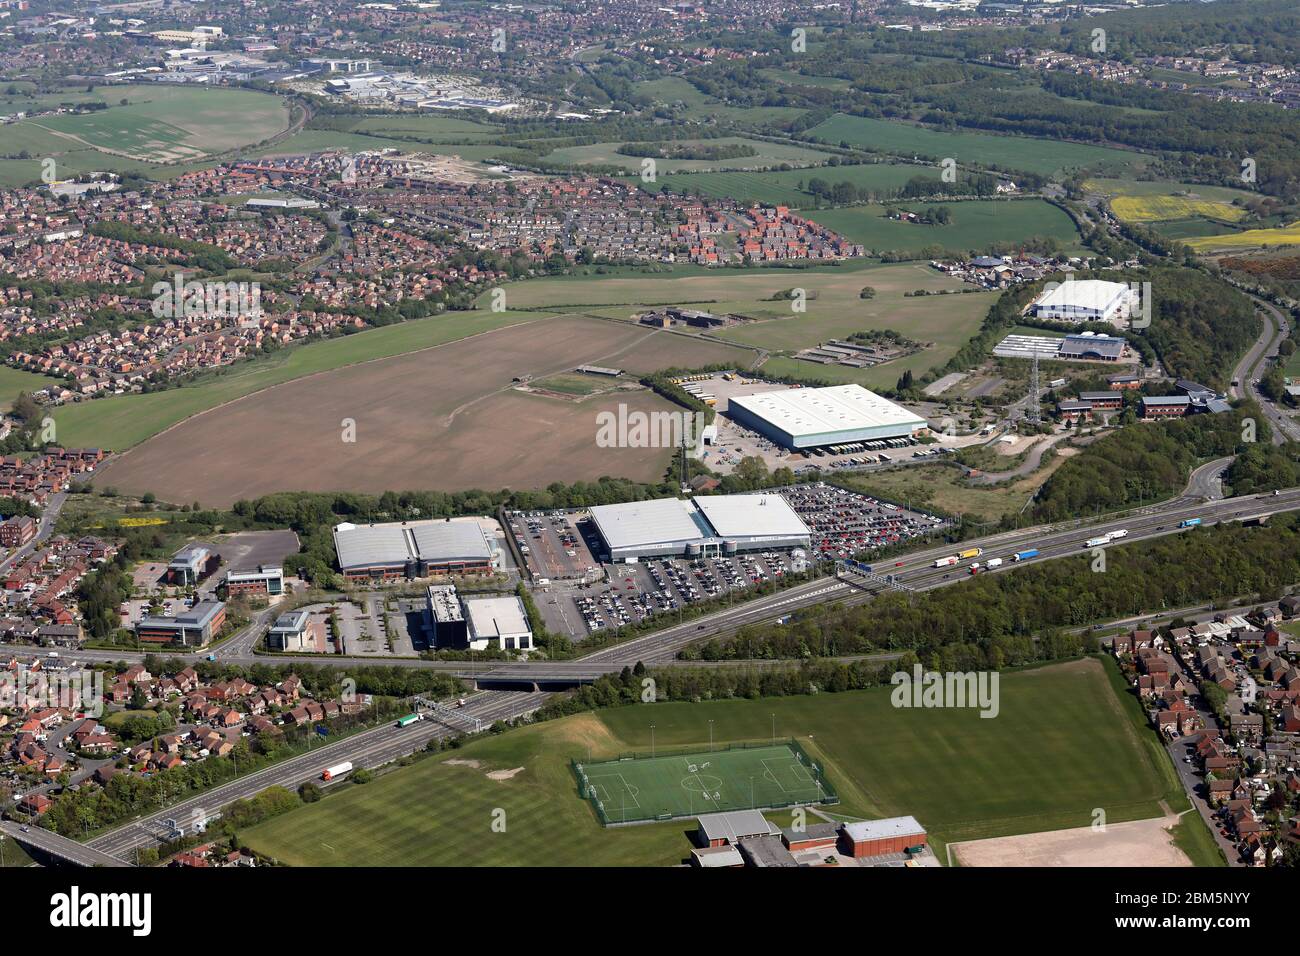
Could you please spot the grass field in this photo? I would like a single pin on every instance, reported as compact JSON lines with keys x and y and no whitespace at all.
{"x":837,"y":310}
{"x":576,"y":384}
{"x":158,"y":124}
{"x":674,"y":90}
{"x":12,"y":854}
{"x":1194,"y":838}
{"x":433,"y":129}
{"x":1068,"y":739}
{"x":315,"y":140}
{"x":440,"y":812}
{"x":975,"y":224}
{"x":786,"y":187}
{"x":1065,"y":742}
{"x":767,"y":154}
{"x":944,"y":488}
{"x":707,"y":781}
{"x":1009,"y":152}
{"x":15,"y":380}
{"x":1195,"y":228}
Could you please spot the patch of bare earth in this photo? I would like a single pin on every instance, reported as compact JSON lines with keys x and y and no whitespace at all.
{"x":446,"y":418}
{"x":1135,"y":843}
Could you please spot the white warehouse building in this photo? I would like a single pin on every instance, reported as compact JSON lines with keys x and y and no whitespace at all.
{"x":800,"y":418}
{"x":711,"y":524}
{"x":1084,"y":300}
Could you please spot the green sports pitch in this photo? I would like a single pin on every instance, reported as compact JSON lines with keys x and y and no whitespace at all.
{"x":639,"y":787}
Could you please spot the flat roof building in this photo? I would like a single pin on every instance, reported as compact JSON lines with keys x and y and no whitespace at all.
{"x":189,"y":564}
{"x":710,"y":524}
{"x":879,"y":837}
{"x":445,"y":618}
{"x":414,"y":549}
{"x":813,"y":417}
{"x":194,"y":627}
{"x":477,"y":623}
{"x":644,"y":528}
{"x":499,"y":622}
{"x":263,"y":579}
{"x":1017,"y":345}
{"x":753,"y":521}
{"x":289,"y":632}
{"x":1083,"y":300}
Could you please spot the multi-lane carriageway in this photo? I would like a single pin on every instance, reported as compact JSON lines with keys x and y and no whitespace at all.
{"x":383,"y":744}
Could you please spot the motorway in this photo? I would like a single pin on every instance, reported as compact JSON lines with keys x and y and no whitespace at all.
{"x":915,"y":571}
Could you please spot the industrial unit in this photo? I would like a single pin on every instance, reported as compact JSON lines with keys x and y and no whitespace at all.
{"x":414,"y":549}
{"x":711,"y":524}
{"x":477,"y":623}
{"x":499,"y":622}
{"x":1084,"y":300}
{"x":800,"y":418}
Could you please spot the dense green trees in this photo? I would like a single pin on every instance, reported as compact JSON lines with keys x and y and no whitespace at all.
{"x":1140,"y":463}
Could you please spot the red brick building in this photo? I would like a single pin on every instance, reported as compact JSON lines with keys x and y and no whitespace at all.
{"x":17,"y":531}
{"x":881,"y":837}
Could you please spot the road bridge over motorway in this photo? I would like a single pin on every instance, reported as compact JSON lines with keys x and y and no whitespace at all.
{"x":60,"y":848}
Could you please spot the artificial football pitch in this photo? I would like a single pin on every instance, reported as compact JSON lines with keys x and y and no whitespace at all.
{"x":637,"y":788}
